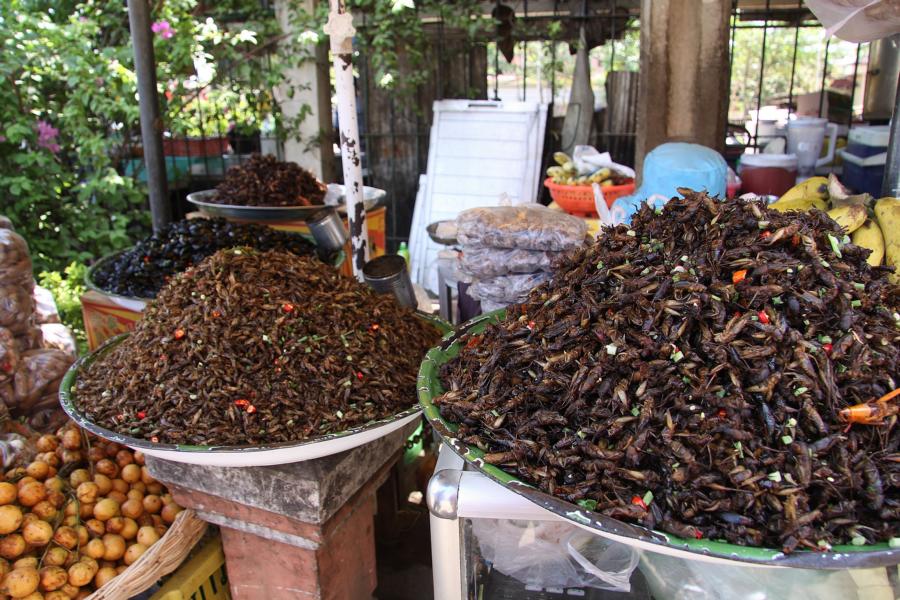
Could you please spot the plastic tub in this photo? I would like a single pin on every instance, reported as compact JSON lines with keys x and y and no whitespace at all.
{"x":578,"y":200}
{"x":863,"y":175}
{"x":768,"y":174}
{"x":864,"y":141}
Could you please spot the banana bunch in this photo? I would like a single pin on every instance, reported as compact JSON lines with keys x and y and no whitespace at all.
{"x":869,"y":223}
{"x":565,"y":173}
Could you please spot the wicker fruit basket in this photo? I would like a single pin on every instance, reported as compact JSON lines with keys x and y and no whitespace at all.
{"x":159,"y":560}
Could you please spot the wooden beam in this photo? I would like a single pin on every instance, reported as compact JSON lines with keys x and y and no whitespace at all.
{"x":684,"y":74}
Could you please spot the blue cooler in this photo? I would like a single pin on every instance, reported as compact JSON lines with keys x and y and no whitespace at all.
{"x":864,"y":158}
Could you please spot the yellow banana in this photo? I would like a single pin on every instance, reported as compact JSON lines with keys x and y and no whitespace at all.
{"x":813,"y":187}
{"x":569,"y":167}
{"x":887,"y":211}
{"x":554,"y":171}
{"x":849,"y":217}
{"x":561,"y":158}
{"x":869,"y":236}
{"x":800,"y":204}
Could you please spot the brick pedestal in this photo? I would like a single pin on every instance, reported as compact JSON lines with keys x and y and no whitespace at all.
{"x":293,"y":531}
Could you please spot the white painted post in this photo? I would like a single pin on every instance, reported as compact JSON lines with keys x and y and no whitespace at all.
{"x":340,"y":31}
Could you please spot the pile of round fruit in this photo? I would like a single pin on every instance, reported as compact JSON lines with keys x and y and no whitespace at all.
{"x":64,"y":536}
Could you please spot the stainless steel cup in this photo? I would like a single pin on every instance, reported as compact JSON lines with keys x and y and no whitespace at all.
{"x":328,"y":229}
{"x":388,"y":275}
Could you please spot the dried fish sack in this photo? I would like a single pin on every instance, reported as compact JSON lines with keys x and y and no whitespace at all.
{"x":253,"y":347}
{"x":142,"y":270}
{"x":712,"y":372}
{"x":265,"y":181}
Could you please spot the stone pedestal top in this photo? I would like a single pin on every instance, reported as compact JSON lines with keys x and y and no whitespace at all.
{"x":311,"y":491}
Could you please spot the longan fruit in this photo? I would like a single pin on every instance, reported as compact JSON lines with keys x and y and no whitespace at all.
{"x":148,"y":519}
{"x":56,"y":556}
{"x":4,"y":567}
{"x":54,"y":484}
{"x":121,"y":569}
{"x":139,"y":486}
{"x":79,"y":476}
{"x":19,"y":583}
{"x":155,"y":488}
{"x":119,"y":497}
{"x":139,"y":457}
{"x":85,"y":511}
{"x":57,"y":499}
{"x":94,"y":548}
{"x":166,"y":498}
{"x":131,"y":473}
{"x":72,"y":508}
{"x":47,"y":443}
{"x":66,"y":537}
{"x":57,"y":594}
{"x":8,"y":493}
{"x":72,"y":456}
{"x":112,"y":448}
{"x":104,"y":483}
{"x":134,"y":494}
{"x":38,"y":469}
{"x":45,"y":510}
{"x":124,"y":457}
{"x":25,"y":480}
{"x":80,"y":574}
{"x":53,"y":578}
{"x":107,"y":467}
{"x":87,"y":492}
{"x":132,"y":508}
{"x":33,"y":596}
{"x":156,"y":520}
{"x":70,"y":590}
{"x":130,"y":529}
{"x":96,"y":453}
{"x":71,"y":439}
{"x":92,"y":564}
{"x":29,"y":518}
{"x":134,"y":552}
{"x":146,"y":477}
{"x":169,"y":512}
{"x":115,"y":546}
{"x":31,"y":493}
{"x":12,"y":546}
{"x":120,"y":485}
{"x":104,"y":576}
{"x":71,"y":520}
{"x":11,"y":518}
{"x":27,"y":561}
{"x":147,"y":536}
{"x":38,"y":533}
{"x":115,"y":525}
{"x":53,"y":460}
{"x":106,"y":509}
{"x":95,"y":527}
{"x":152,"y":504}
{"x":82,"y":533}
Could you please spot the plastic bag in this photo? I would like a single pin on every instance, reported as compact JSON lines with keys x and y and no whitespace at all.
{"x":31,"y":339}
{"x":39,"y":371}
{"x":857,"y":20}
{"x":526,"y":226}
{"x":680,"y":579}
{"x":550,"y":554}
{"x":46,"y":415}
{"x":45,"y":310}
{"x":491,"y":262}
{"x":60,"y":337}
{"x":507,"y":288}
{"x":15,"y":262}
{"x":15,"y":450}
{"x":9,"y":354}
{"x":16,"y":308}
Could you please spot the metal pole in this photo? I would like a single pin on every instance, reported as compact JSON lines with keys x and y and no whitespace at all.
{"x":148,"y":100}
{"x":890,"y":185}
{"x":340,"y":30}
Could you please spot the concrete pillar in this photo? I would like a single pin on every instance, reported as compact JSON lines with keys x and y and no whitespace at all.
{"x":684,"y":73}
{"x":307,"y":90}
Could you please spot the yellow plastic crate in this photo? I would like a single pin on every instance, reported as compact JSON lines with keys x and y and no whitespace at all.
{"x":203,"y":577}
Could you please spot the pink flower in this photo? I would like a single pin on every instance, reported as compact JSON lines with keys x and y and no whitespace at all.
{"x":47,"y":136}
{"x":163,"y":29}
{"x":2,"y":138}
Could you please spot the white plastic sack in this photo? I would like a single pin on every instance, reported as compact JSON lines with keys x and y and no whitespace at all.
{"x":858,"y":20}
{"x":550,"y":554}
{"x":588,"y":160}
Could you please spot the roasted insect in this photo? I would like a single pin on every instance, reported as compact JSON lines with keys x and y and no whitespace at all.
{"x":700,"y":360}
